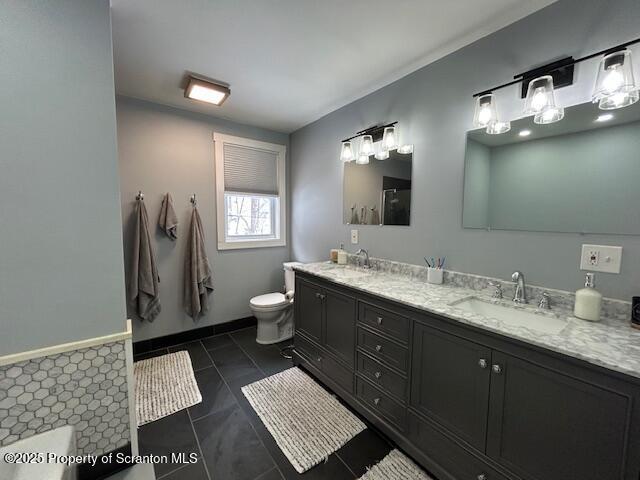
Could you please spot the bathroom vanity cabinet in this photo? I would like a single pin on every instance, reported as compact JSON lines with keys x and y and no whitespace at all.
{"x":464,"y":402}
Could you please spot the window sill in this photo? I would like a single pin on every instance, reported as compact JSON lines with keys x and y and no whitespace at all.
{"x":245,"y":244}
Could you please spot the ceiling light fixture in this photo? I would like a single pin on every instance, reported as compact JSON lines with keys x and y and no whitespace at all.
{"x":605,"y":117}
{"x":206,"y":91}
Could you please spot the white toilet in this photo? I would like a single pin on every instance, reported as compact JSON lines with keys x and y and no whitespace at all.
{"x":274,"y":311}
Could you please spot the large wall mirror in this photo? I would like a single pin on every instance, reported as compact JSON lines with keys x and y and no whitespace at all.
{"x":578,"y":175}
{"x":379,"y":192}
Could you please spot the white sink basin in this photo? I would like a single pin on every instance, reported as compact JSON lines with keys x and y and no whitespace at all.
{"x":517,"y":317}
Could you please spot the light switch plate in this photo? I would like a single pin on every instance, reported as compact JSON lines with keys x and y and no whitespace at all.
{"x":601,"y":258}
{"x":354,"y":237}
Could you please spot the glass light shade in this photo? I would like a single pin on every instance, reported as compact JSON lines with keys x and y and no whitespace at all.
{"x":496,"y":128}
{"x":366,"y":147}
{"x":389,"y":139}
{"x":549,"y":115}
{"x":485,"y":111}
{"x":362,"y":159}
{"x":405,"y":149}
{"x":347,"y":154}
{"x":381,"y":153}
{"x":540,"y":95}
{"x":615,"y":84}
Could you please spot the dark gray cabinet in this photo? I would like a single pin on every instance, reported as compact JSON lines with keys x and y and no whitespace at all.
{"x":465,"y":403}
{"x":546,"y":425}
{"x":450,"y":383}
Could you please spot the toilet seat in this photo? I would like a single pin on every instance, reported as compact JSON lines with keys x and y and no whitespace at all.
{"x":269,"y":301}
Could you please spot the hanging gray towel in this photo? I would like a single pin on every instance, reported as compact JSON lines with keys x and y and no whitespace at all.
{"x":144,"y":279}
{"x":198,"y":282}
{"x":168,"y":221}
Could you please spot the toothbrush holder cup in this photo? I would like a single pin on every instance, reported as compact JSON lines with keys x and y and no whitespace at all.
{"x":435,"y":275}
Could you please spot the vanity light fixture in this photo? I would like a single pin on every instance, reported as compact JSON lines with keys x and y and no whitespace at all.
{"x":615,"y":88}
{"x":378,"y":141}
{"x":205,"y":90}
{"x":615,"y":84}
{"x":347,"y":154}
{"x":605,"y":117}
{"x":524,"y":133}
{"x":366,"y":147}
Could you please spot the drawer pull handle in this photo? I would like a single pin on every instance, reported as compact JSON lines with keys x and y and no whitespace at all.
{"x":483,"y":363}
{"x":378,"y":374}
{"x":379,"y":320}
{"x":482,"y":476}
{"x":376,"y":401}
{"x":497,"y":369}
{"x":378,"y":348}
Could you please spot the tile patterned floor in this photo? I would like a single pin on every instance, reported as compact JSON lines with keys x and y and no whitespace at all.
{"x":231,"y":441}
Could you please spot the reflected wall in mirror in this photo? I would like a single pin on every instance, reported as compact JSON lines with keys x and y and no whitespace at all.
{"x":578,"y":175}
{"x":378,"y":193}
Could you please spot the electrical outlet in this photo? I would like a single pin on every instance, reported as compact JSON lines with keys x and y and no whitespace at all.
{"x":601,"y":258}
{"x":354,"y":237}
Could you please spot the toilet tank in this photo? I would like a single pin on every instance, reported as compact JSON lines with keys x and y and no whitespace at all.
{"x":290,"y":275}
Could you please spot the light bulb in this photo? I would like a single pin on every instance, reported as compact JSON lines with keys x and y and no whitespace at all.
{"x":485,"y":111}
{"x":484,"y":116}
{"x":539,"y":100}
{"x":367,"y":145}
{"x":347,"y":154}
{"x":613,"y":81}
{"x":390,"y":139}
{"x":362,"y":159}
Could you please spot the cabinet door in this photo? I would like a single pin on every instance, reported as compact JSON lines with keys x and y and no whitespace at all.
{"x":545,"y":425}
{"x":309,"y":306}
{"x":450,"y":382}
{"x":340,"y":325}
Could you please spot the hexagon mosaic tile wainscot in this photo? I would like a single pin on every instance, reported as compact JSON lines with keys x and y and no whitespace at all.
{"x":85,"y":388}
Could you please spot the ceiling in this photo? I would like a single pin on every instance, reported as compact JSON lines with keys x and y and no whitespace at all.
{"x":290,"y":62}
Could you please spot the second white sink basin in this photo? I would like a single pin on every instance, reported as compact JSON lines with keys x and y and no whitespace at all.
{"x":517,"y":317}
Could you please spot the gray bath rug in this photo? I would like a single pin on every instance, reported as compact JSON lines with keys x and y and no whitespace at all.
{"x":164,"y":385}
{"x":307,"y":423}
{"x":395,"y":466}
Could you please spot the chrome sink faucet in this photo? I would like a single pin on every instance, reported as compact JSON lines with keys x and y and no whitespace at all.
{"x":367,"y":263}
{"x":521,"y":294}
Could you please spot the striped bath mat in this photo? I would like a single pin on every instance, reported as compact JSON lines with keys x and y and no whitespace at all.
{"x":395,"y":466}
{"x":164,"y":385}
{"x":307,"y":423}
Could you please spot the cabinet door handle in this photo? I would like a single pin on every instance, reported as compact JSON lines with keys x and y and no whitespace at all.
{"x":379,"y":320}
{"x":482,"y":363}
{"x":376,"y":401}
{"x":497,"y":369}
{"x":377,"y":374}
{"x":319,"y":359}
{"x":320,"y":296}
{"x":482,"y":476}
{"x":378,"y":348}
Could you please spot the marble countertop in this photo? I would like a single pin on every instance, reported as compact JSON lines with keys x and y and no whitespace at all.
{"x":611,"y":344}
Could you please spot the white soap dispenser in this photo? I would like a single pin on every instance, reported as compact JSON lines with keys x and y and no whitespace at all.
{"x":342,"y":255}
{"x":588,"y":300}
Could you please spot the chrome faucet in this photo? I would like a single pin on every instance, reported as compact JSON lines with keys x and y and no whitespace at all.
{"x":521,"y":294}
{"x":367,"y":263}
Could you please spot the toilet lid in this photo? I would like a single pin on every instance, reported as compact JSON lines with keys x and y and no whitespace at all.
{"x":269,"y":300}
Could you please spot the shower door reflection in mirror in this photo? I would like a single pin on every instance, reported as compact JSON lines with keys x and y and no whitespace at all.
{"x":378,"y":193}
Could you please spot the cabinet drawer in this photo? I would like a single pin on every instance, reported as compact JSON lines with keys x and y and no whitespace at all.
{"x":381,"y":376}
{"x":385,"y":406}
{"x":385,"y":321}
{"x":338,"y":373}
{"x":459,"y":463}
{"x":382,"y":349}
{"x":309,"y":350}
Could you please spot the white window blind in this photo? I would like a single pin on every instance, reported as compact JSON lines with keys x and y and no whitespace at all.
{"x":250,"y":170}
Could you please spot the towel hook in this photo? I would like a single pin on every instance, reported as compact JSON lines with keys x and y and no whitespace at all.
{"x":140,"y":195}
{"x":192,"y":199}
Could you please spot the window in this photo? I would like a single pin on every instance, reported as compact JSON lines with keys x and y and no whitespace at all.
{"x":250,"y":187}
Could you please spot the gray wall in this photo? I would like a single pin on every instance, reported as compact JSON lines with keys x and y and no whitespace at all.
{"x":162,"y":149}
{"x":434,"y":107}
{"x":61,"y":262}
